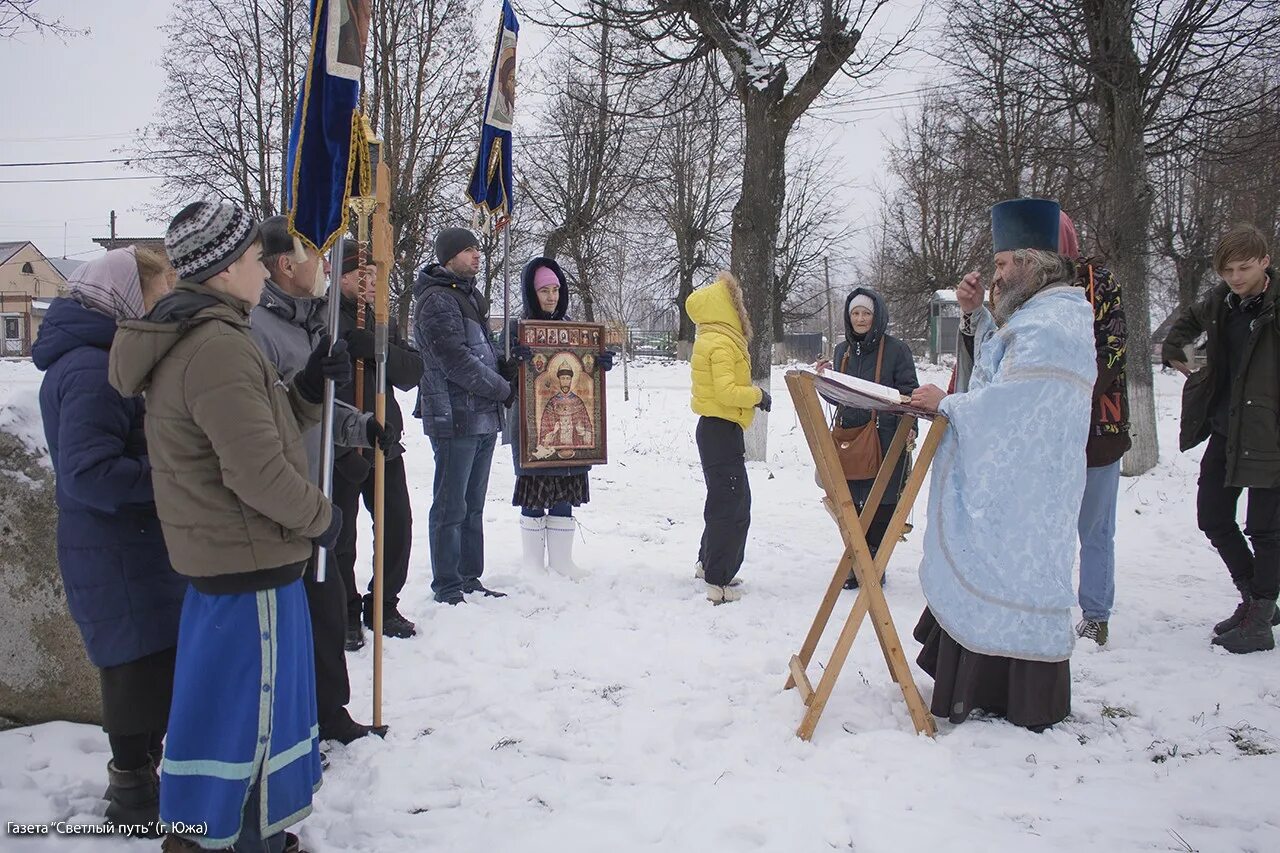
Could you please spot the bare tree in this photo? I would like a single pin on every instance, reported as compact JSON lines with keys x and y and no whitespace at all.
{"x":222,"y":124}
{"x":812,"y":229}
{"x":781,"y":56}
{"x":935,"y":219}
{"x":19,"y":17}
{"x":584,"y":172}
{"x":690,"y":190}
{"x":424,"y":85}
{"x":1147,"y":68}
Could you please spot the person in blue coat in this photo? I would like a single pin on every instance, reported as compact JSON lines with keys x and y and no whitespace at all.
{"x":121,"y":590}
{"x":546,"y":496}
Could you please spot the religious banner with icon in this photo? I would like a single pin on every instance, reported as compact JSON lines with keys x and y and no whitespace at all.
{"x":562,"y":402}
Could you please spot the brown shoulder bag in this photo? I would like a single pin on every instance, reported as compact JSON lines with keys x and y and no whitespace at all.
{"x":859,"y":447}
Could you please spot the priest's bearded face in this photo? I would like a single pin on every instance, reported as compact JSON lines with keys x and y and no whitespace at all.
{"x":1013,"y":284}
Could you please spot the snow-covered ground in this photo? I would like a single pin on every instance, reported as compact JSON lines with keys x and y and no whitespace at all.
{"x":626,"y":713}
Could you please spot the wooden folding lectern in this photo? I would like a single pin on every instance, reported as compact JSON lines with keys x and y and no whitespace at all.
{"x":857,"y":554}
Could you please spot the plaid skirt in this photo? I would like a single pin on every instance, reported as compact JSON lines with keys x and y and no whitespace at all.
{"x":538,"y":491}
{"x":244,"y":711}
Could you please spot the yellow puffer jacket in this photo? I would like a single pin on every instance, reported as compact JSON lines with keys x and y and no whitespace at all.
{"x":721,"y":368}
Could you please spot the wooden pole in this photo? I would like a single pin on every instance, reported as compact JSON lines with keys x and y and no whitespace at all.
{"x":382,"y":257}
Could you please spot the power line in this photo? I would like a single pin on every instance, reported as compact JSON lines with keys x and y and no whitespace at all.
{"x":21,"y":139}
{"x":82,"y":180}
{"x":144,"y":159}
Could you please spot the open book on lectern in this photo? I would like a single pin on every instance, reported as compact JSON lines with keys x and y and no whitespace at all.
{"x":841,"y":389}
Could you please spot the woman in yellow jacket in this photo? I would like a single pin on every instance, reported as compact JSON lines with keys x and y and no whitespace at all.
{"x":725,"y":398}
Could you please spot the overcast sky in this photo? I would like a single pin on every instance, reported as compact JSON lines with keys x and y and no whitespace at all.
{"x":88,"y":97}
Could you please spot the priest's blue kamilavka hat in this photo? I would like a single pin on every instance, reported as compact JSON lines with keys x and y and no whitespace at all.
{"x":1025,"y":223}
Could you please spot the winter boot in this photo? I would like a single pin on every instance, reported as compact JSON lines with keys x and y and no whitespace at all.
{"x":133,"y":797}
{"x":393,"y":624}
{"x":1230,"y":623}
{"x":345,"y":730}
{"x":722,"y":594}
{"x":1092,"y":629}
{"x":1254,"y":633}
{"x":701,"y":574}
{"x":355,"y":632}
{"x":533,"y":535}
{"x":560,"y":533}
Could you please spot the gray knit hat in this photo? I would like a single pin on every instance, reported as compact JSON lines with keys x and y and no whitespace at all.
{"x":206,"y":237}
{"x":451,"y":241}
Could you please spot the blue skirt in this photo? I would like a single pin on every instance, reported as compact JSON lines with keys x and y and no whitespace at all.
{"x":244,"y":712}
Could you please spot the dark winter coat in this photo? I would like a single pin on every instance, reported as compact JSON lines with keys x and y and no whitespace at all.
{"x":533,"y":311}
{"x":1252,"y":396}
{"x":121,"y":590}
{"x":461,"y":393}
{"x":404,"y":371}
{"x":1109,"y":428}
{"x":897,"y":371}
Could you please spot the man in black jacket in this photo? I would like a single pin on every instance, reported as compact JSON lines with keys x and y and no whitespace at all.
{"x":1234,"y":401}
{"x":353,"y":468}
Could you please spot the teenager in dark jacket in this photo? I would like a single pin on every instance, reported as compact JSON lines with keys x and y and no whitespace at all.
{"x":866,"y":324}
{"x":460,"y":398}
{"x":121,"y":590}
{"x":353,"y":468}
{"x":546,"y":496}
{"x":1233,"y":401}
{"x":1108,"y":439}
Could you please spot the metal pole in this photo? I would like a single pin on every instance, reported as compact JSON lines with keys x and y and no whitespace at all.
{"x":326,"y":425}
{"x":506,"y":285}
{"x":831,"y":329}
{"x":626,"y":359}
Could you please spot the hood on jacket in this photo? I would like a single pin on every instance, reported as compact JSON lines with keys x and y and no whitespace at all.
{"x":879,"y":322}
{"x":67,"y":326}
{"x":532,"y":310}
{"x":720,"y":303}
{"x":436,"y":275}
{"x":140,"y":345}
{"x":305,"y":311}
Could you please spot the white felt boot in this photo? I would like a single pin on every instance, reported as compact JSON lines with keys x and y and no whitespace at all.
{"x":533,"y":534}
{"x":560,"y":533}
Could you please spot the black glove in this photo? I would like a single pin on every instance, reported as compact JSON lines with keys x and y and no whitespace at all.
{"x":605,"y":360}
{"x":385,"y":437}
{"x":521,"y":353}
{"x":766,"y":402}
{"x":511,"y":398}
{"x":508,"y":369}
{"x":322,"y":365}
{"x":329,"y":538}
{"x":360,"y":343}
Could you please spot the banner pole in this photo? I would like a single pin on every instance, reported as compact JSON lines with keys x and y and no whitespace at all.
{"x":326,"y":428}
{"x":506,"y":286}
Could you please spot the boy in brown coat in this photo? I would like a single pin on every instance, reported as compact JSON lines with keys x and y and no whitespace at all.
{"x":240,"y":518}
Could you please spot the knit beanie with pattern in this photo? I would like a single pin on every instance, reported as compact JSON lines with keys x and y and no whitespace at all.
{"x":206,"y":237}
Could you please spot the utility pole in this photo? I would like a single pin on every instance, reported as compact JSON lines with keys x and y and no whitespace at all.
{"x":113,"y":229}
{"x":831,"y":329}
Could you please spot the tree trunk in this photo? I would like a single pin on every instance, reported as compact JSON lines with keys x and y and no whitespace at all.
{"x":756,"y":219}
{"x":687,"y":328}
{"x":1126,"y":209}
{"x":1191,"y":271}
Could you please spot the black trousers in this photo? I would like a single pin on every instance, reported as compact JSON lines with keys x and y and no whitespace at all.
{"x":1256,"y":571}
{"x":727,"y":513}
{"x":397,"y":535}
{"x":328,"y":605}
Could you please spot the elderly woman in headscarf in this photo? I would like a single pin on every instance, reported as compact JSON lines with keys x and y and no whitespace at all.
{"x":121,"y":590}
{"x":869,"y":352}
